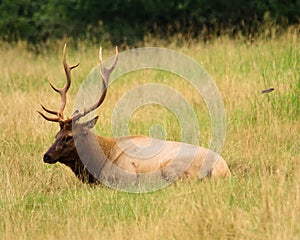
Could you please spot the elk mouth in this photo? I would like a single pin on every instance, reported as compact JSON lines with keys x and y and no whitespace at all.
{"x":48,"y":159}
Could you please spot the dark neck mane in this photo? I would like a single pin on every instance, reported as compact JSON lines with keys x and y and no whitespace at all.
{"x":95,"y":149}
{"x":81,"y":171}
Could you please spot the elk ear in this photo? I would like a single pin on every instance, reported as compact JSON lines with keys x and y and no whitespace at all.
{"x":91,"y":123}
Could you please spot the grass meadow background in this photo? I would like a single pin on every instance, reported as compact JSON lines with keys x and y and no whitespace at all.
{"x":261,"y":200}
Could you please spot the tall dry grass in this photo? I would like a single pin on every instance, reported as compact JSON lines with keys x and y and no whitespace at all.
{"x":260,"y":201}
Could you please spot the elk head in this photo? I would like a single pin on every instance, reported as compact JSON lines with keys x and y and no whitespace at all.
{"x":63,"y":149}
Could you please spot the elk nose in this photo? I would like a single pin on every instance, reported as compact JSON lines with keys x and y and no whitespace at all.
{"x":46,"y":158}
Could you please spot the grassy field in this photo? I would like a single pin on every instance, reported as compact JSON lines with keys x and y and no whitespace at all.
{"x":261,"y":200}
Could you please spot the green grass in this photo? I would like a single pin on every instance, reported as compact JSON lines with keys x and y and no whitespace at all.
{"x":260,"y":201}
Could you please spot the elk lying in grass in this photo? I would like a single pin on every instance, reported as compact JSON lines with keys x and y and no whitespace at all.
{"x":133,"y":155}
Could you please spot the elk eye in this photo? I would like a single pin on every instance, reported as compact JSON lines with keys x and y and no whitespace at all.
{"x":69,"y":138}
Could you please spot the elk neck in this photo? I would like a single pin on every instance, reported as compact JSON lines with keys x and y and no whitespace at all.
{"x":79,"y":168}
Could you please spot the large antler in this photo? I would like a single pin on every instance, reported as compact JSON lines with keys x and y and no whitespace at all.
{"x":105,"y":73}
{"x":61,"y":91}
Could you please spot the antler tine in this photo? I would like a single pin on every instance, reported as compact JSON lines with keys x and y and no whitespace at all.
{"x":52,"y":119}
{"x":105,"y":73}
{"x":48,"y":110}
{"x":63,"y":91}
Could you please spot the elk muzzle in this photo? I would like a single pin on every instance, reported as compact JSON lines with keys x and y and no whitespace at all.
{"x":48,"y":159}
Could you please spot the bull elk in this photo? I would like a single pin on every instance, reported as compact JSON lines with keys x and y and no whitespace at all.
{"x":132,"y":155}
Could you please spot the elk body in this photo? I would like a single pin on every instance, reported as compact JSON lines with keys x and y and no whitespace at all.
{"x":93,"y":157}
